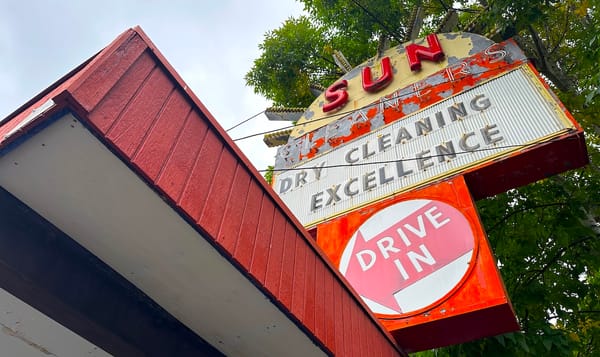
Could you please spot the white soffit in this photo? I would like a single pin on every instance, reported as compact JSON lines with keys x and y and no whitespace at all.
{"x":70,"y":178}
{"x":26,"y":332}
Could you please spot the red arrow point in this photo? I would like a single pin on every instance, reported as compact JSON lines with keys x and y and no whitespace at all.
{"x":388,"y":301}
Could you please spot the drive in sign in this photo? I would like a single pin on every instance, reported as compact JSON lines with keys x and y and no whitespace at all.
{"x":422,"y":263}
{"x":389,"y":183}
{"x":409,"y":255}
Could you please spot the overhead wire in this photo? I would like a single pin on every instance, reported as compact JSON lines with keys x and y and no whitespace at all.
{"x":352,"y":111}
{"x":380,"y":22}
{"x":499,"y":147}
{"x":246,"y":120}
{"x":385,"y":27}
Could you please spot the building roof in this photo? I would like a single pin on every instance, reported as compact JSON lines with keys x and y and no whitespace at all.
{"x":124,"y":159}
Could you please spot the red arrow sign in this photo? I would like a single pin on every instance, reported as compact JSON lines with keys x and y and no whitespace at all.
{"x":402,"y":249}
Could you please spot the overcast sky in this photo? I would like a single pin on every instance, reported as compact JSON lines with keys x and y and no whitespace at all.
{"x":210,"y":43}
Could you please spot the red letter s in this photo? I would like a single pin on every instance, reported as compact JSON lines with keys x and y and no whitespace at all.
{"x":336,"y":95}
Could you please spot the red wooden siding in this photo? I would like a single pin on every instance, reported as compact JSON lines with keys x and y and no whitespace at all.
{"x":176,"y":169}
{"x":132,"y":97}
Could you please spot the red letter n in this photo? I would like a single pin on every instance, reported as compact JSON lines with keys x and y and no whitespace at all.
{"x":415,"y":53}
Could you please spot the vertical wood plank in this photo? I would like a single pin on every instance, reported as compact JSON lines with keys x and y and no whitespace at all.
{"x":132,"y":124}
{"x":111,"y":69}
{"x":299,"y":292}
{"x":287,"y":266}
{"x":213,"y":204}
{"x":340,"y":327}
{"x":176,"y":170}
{"x":109,"y":108}
{"x":247,"y":236}
{"x":158,"y":143}
{"x":274,"y":265}
{"x":260,"y":255}
{"x":320,"y":304}
{"x":347,"y":324}
{"x":358,"y":328}
{"x":309,"y":287}
{"x":330,"y":306}
{"x":197,"y":185}
{"x":378,"y":347}
{"x":234,"y":212}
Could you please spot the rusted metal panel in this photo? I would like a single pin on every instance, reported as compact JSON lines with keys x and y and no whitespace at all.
{"x":456,"y":47}
{"x":409,"y":94}
{"x":483,"y":124}
{"x":474,"y":293}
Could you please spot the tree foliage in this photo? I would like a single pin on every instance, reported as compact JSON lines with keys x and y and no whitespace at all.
{"x":546,"y":236}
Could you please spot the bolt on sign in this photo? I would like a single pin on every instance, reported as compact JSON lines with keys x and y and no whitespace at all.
{"x":386,"y":164}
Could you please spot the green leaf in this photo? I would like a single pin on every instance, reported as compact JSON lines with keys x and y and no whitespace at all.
{"x":545,"y":234}
{"x":547,"y":344}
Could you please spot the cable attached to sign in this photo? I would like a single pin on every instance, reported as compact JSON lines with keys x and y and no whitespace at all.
{"x":499,"y":147}
{"x":348,"y":112}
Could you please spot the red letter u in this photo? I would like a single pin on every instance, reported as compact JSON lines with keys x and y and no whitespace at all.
{"x":384,"y":79}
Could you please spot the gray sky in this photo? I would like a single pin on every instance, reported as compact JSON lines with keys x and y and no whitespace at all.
{"x":210,"y":43}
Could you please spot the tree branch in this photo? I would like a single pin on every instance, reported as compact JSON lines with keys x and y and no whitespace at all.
{"x":561,"y":251}
{"x":506,"y":217}
{"x":547,"y":65}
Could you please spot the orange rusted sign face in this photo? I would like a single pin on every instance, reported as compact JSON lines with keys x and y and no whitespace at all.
{"x":423,"y":265}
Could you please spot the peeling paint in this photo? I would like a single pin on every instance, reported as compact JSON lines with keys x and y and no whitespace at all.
{"x":396,"y":102}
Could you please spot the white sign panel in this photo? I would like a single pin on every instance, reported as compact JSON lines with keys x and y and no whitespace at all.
{"x":491,"y":120}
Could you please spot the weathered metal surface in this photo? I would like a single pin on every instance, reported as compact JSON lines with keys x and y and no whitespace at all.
{"x":277,"y":138}
{"x":497,"y":118}
{"x":413,"y":271}
{"x":470,"y":60}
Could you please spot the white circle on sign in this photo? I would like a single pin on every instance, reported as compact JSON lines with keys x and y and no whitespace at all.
{"x":408,"y":256}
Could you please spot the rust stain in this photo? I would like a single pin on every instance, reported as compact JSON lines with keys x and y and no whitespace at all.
{"x":438,"y":86}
